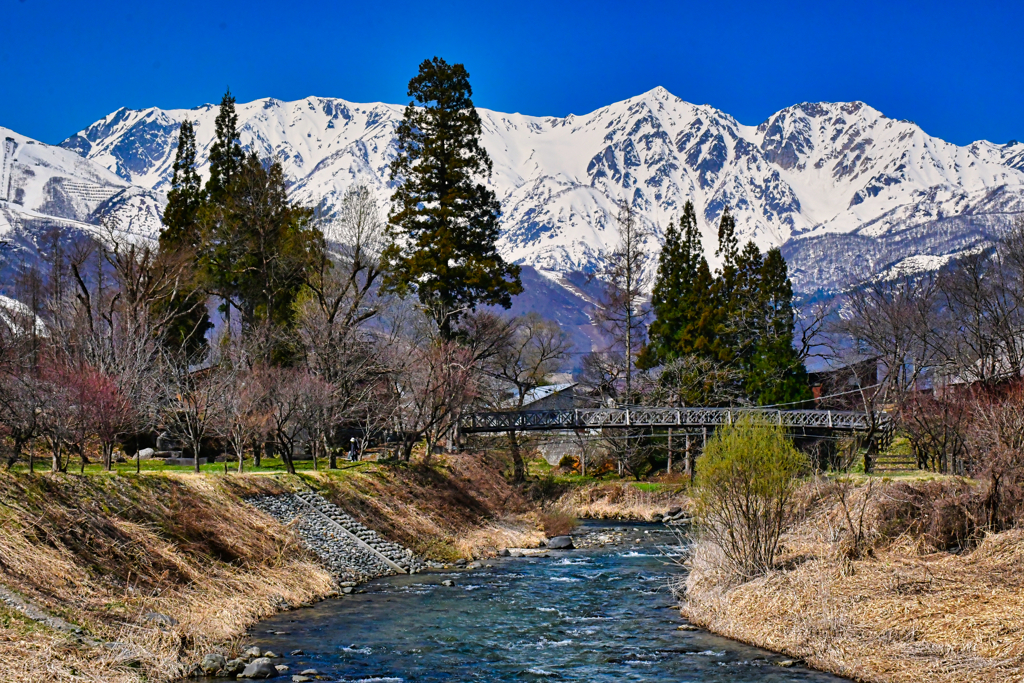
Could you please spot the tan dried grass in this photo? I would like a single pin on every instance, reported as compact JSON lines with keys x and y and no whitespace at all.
{"x":104,"y":551}
{"x":619,"y":500}
{"x":903,"y":613}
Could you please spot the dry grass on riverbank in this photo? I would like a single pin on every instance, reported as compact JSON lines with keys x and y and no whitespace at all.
{"x":905,"y":612}
{"x":103,"y":550}
{"x":620,"y":500}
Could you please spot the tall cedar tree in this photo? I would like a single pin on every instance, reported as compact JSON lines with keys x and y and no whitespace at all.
{"x":685,"y":312}
{"x":775,"y":373}
{"x":444,"y":223}
{"x":180,"y":238}
{"x":263,"y":248}
{"x":725,"y":286}
{"x":226,"y":156}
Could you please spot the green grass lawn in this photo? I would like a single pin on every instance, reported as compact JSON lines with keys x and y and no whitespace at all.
{"x":156,"y":465}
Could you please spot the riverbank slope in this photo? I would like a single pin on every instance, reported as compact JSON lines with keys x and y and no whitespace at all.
{"x":144,"y":573}
{"x":909,"y":605}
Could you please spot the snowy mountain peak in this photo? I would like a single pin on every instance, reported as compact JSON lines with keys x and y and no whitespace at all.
{"x":810,"y":172}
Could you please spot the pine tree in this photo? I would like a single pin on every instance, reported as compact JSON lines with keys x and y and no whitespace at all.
{"x":181,"y":217}
{"x":262,"y":249}
{"x":226,"y":156}
{"x":775,"y":373}
{"x":682,"y":299}
{"x":725,"y":286}
{"x":444,"y":223}
{"x":744,"y":315}
{"x":728,"y":246}
{"x":180,"y":238}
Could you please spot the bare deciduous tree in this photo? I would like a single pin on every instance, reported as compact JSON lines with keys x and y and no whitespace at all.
{"x":535,"y":349}
{"x":624,"y":306}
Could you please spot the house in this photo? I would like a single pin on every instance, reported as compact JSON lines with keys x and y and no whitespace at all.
{"x":551,"y":397}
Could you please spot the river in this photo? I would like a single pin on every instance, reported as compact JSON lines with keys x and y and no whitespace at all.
{"x":597,"y":614}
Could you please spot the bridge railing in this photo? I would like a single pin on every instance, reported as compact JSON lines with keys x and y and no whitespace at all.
{"x":880,"y":425}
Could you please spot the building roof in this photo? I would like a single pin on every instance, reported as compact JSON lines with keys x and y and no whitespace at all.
{"x":537,"y":394}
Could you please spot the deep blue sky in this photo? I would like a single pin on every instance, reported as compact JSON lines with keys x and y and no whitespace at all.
{"x":957,"y":69}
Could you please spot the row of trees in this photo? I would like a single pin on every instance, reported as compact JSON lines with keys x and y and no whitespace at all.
{"x":949,"y":352}
{"x":320,"y":331}
{"x":736,"y":327}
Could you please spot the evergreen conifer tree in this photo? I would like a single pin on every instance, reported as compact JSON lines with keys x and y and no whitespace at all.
{"x":725,"y":285}
{"x":226,"y":156}
{"x":262,"y":248}
{"x":444,"y":223}
{"x":685,"y":313}
{"x":180,"y":239}
{"x":775,"y":373}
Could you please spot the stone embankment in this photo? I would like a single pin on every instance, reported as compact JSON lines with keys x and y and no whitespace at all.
{"x":350,"y":550}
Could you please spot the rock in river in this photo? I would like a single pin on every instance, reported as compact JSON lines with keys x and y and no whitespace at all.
{"x":561,"y":543}
{"x":259,"y":668}
{"x":213,"y":663}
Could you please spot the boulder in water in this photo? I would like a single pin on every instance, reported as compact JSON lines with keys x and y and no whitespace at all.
{"x":259,"y":668}
{"x":561,"y":543}
{"x":213,"y":663}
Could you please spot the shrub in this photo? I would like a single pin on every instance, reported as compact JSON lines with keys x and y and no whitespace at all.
{"x":557,"y":523}
{"x":744,"y":494}
{"x":569,"y":463}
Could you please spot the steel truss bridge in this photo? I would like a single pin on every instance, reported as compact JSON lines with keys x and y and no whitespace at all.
{"x":878,"y":427}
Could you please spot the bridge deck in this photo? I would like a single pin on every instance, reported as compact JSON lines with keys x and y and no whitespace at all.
{"x":808,"y":421}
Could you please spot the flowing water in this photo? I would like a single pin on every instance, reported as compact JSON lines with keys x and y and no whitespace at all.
{"x":599,"y":614}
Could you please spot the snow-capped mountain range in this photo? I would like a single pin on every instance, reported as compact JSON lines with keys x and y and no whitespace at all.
{"x":845,"y":191}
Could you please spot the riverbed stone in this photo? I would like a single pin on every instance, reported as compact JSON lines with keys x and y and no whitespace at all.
{"x":269,"y":654}
{"x":233,"y":668}
{"x":309,"y":672}
{"x":561,"y":543}
{"x":213,"y":663}
{"x":161,"y":620}
{"x":259,"y":668}
{"x":448,"y":582}
{"x":251,"y":653}
{"x":504,"y":553}
{"x":299,"y":678}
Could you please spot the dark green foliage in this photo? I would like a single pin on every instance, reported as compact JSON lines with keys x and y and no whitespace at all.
{"x":743,"y":317}
{"x":181,"y":217}
{"x":775,"y":373}
{"x":226,"y":156}
{"x":188,"y":320}
{"x":685,"y":313}
{"x":444,"y":223}
{"x":261,"y":246}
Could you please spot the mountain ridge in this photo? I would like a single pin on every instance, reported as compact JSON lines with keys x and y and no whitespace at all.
{"x":807,"y":172}
{"x":844,"y":190}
